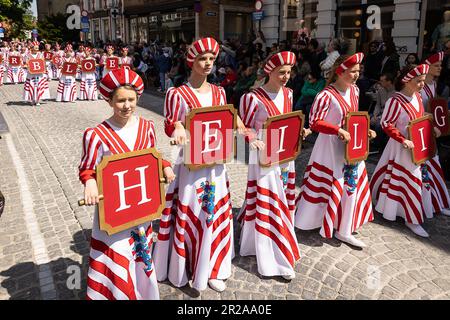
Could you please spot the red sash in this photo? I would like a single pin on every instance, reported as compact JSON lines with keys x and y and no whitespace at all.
{"x":408,"y":106}
{"x":271,"y":108}
{"x":191,"y":99}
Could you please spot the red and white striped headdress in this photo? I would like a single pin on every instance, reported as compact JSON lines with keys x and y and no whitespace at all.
{"x":35,"y":43}
{"x":357,"y":58}
{"x":417,"y":71}
{"x":87,"y":50}
{"x":118,"y":78}
{"x":280,"y":59}
{"x":435,"y":58}
{"x":125,"y":49}
{"x":68,"y":47}
{"x":108,"y":47}
{"x":201,"y":46}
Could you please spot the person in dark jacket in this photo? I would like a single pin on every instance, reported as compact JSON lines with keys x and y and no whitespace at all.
{"x":390,"y":63}
{"x":373,"y":61}
{"x":164,"y":64}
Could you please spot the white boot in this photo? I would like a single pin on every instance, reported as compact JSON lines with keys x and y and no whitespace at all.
{"x":289,"y":276}
{"x":217,"y":285}
{"x":445,"y":212}
{"x":417,"y":229}
{"x":350,"y":240}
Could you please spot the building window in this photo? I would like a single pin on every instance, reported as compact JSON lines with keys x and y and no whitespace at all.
{"x":238,"y":25}
{"x":352,"y":23}
{"x":133,"y":29}
{"x":299,"y":17}
{"x":437,"y":26}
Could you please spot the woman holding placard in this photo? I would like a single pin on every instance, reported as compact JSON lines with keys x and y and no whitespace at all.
{"x":36,"y":85}
{"x":120,"y":265}
{"x":88,"y":84}
{"x":335,"y":195}
{"x":399,"y":186}
{"x":67,"y":86}
{"x":195,"y":240}
{"x":104,"y":59}
{"x":268,"y":210}
{"x":441,"y":199}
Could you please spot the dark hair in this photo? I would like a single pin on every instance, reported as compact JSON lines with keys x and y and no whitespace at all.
{"x":315,"y":73}
{"x":314,"y":43}
{"x":416,"y":58}
{"x":390,"y":48}
{"x":399,"y":84}
{"x":389,"y":76}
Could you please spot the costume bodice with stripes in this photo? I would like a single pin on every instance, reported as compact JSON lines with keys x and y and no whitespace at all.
{"x":330,"y":106}
{"x":257,"y":106}
{"x":428,"y":92}
{"x":179,"y":101}
{"x":401,"y":109}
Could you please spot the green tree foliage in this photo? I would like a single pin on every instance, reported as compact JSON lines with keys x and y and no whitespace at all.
{"x":53,"y":28}
{"x":16,"y":17}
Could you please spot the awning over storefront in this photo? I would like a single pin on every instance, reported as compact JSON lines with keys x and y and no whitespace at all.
{"x":163,"y":7}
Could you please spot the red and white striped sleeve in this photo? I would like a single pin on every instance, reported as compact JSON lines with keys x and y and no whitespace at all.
{"x":172,"y":110}
{"x":91,"y":157}
{"x":247,"y":109}
{"x":319,"y":111}
{"x":389,"y":118}
{"x":223,"y":96}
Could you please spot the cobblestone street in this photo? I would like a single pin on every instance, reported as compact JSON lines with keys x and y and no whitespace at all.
{"x":44,"y":234}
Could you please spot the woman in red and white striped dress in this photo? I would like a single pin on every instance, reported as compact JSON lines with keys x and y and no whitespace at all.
{"x":124,"y":59}
{"x":334,"y":195}
{"x":15,"y":74}
{"x":88,"y":84}
{"x":195,"y":240}
{"x":58,"y":67}
{"x":3,"y":58}
{"x":268,"y":210}
{"x":109,"y":54}
{"x":441,"y":199}
{"x":67,"y":86}
{"x":400,"y":187}
{"x":120,"y":265}
{"x":36,"y":86}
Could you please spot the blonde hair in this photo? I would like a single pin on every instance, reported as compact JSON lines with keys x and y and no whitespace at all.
{"x":332,"y":76}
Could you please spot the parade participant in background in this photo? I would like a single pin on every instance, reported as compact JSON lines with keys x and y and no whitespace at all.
{"x":441,"y":200}
{"x":109,"y":54}
{"x":50,"y":71}
{"x":60,"y":53}
{"x":3,"y":57}
{"x":202,"y":254}
{"x":24,"y":51}
{"x":36,"y":85}
{"x":88,"y":84}
{"x":79,"y":55}
{"x":268,"y":210}
{"x":16,"y":74}
{"x":124,"y":59}
{"x":67,"y":87}
{"x":112,"y":256}
{"x":334,"y":195}
{"x":399,"y":186}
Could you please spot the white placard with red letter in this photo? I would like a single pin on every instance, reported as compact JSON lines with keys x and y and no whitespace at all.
{"x":112,"y":63}
{"x":439,"y":110}
{"x":422,"y":135}
{"x":358,"y":125}
{"x":15,"y":61}
{"x":88,"y":65}
{"x":211,"y":135}
{"x":69,"y":68}
{"x":132,"y":187}
{"x":36,"y":66}
{"x":282,"y":136}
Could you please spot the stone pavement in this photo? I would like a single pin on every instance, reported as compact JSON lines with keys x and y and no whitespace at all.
{"x":44,"y":235}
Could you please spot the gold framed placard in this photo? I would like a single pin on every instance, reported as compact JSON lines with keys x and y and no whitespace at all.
{"x":282,"y":136}
{"x":421,"y":133}
{"x":216,"y":123}
{"x":439,"y":109}
{"x":132,"y":187}
{"x":358,"y":125}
